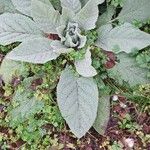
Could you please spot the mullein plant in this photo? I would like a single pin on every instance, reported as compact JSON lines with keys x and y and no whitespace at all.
{"x":46,"y":33}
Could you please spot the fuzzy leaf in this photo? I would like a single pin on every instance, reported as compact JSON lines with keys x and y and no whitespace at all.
{"x":73,"y":5}
{"x":56,"y":4}
{"x":24,"y":6}
{"x":103,"y":114}
{"x":123,"y":38}
{"x":83,"y":2}
{"x":6,"y":6}
{"x":2,"y":6}
{"x":83,"y":40}
{"x":10,"y":68}
{"x":129,"y":70}
{"x":33,"y":51}
{"x":78,"y":101}
{"x":17,"y":28}
{"x":66,"y":16}
{"x":106,"y":16}
{"x":75,"y":39}
{"x":96,"y":2}
{"x":46,"y":17}
{"x":60,"y":32}
{"x":135,"y":10}
{"x":84,"y":67}
{"x":59,"y":48}
{"x":87,"y":16}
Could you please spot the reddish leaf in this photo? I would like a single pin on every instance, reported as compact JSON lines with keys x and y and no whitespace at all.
{"x":1,"y":82}
{"x":1,"y":108}
{"x":4,"y":130}
{"x":122,"y":99}
{"x":142,"y":118}
{"x":109,"y":64}
{"x":111,"y":59}
{"x":146,"y":129}
{"x":53,"y":36}
{"x":16,"y":81}
{"x":110,"y":55}
{"x":1,"y":57}
{"x":36,"y":83}
{"x":17,"y":144}
{"x":121,"y":111}
{"x":1,"y":88}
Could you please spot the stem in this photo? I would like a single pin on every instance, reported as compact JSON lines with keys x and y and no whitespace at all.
{"x":113,"y":20}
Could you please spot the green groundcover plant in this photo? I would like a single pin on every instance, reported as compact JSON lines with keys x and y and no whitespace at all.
{"x":47,"y":31}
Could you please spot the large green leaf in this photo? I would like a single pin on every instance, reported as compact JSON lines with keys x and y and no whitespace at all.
{"x":78,"y":101}
{"x":129,"y":70}
{"x":88,"y":16}
{"x":24,"y":6}
{"x":33,"y":51}
{"x":46,"y":17}
{"x":73,"y":5}
{"x":103,"y":114}
{"x":135,"y":10}
{"x":10,"y":68}
{"x":122,"y":38}
{"x":6,"y":6}
{"x":16,"y":27}
{"x":2,"y":6}
{"x":66,"y":16}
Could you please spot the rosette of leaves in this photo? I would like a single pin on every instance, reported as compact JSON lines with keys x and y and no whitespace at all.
{"x":77,"y":95}
{"x":77,"y":92}
{"x":34,"y":34}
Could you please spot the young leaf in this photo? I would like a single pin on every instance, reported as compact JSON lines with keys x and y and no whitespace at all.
{"x":123,"y":38}
{"x":75,"y":39}
{"x":84,"y":67}
{"x":88,"y":16}
{"x":73,"y":5}
{"x":10,"y":68}
{"x":135,"y":10}
{"x":16,"y":27}
{"x":24,"y":6}
{"x":78,"y":101}
{"x":34,"y":51}
{"x":46,"y":17}
{"x":103,"y":114}
{"x":129,"y":70}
